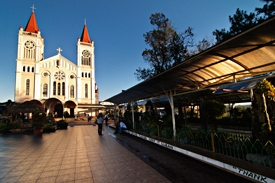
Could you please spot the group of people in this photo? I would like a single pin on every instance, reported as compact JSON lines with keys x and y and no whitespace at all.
{"x":100,"y":120}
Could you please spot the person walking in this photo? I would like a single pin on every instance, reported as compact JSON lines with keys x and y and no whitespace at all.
{"x":100,"y":121}
{"x":106,"y":119}
{"x":89,"y":118}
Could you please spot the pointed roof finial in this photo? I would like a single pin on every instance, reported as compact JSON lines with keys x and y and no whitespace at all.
{"x":85,"y":21}
{"x":33,"y":8}
{"x":32,"y":25}
{"x":85,"y":35}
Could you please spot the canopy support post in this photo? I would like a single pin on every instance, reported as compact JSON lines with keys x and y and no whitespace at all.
{"x":115,"y":115}
{"x":171,"y":102}
{"x":133,"y":115}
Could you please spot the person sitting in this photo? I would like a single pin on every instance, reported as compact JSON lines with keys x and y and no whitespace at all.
{"x":121,"y":126}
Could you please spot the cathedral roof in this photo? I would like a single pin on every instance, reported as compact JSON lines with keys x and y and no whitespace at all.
{"x":85,"y":35}
{"x":32,"y":25}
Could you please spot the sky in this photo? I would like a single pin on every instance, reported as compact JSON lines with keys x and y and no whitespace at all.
{"x":116,"y":26}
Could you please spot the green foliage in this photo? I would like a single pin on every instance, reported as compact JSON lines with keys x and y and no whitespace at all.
{"x":5,"y":127}
{"x":66,"y":114}
{"x":167,"y":132}
{"x":242,"y":20}
{"x":213,"y":109}
{"x":262,"y":128}
{"x":154,"y":131}
{"x":49,"y":127}
{"x":39,"y":119}
{"x":167,"y":47}
{"x":267,"y":88}
{"x":62,"y":124}
{"x":268,"y":9}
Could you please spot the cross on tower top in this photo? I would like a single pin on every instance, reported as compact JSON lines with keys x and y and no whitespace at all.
{"x":33,"y":8}
{"x":59,"y":50}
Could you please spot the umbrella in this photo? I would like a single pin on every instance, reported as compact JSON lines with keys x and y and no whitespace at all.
{"x":26,"y":107}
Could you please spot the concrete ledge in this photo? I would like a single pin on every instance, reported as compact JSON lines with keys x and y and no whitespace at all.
{"x":236,"y":166}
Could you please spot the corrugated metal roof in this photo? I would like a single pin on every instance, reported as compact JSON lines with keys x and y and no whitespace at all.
{"x":248,"y":54}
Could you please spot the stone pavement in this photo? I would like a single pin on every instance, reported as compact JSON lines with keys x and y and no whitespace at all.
{"x":77,"y":154}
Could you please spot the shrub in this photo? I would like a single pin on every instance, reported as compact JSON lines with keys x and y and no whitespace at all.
{"x":39,"y":119}
{"x":5,"y":127}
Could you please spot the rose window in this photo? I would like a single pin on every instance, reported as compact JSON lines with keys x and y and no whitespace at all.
{"x":60,"y":75}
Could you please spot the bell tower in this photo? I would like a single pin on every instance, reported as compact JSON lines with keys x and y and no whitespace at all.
{"x":86,"y":68}
{"x":30,"y":51}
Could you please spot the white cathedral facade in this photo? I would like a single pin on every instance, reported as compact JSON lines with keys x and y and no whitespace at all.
{"x":55,"y":83}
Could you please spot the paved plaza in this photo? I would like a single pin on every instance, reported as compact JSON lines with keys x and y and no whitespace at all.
{"x":77,"y":154}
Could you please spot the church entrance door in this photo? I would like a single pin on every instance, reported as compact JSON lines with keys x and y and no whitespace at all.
{"x":58,"y":110}
{"x":71,"y":112}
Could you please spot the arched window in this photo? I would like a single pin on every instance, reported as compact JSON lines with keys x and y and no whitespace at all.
{"x":29,"y":50}
{"x":85,"y":74}
{"x":86,"y":90}
{"x":63,"y":88}
{"x":32,"y":69}
{"x":58,"y":89}
{"x":28,"y":69}
{"x":54,"y":88}
{"x":24,"y":68}
{"x":86,"y":57}
{"x":45,"y":90}
{"x":89,"y":75}
{"x":72,"y":91}
{"x":82,"y":74}
{"x":28,"y":87}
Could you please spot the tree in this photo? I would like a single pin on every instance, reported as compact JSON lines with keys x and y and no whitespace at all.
{"x":242,"y":21}
{"x":268,"y":9}
{"x":167,"y":47}
{"x":264,"y":102}
{"x":211,"y":114}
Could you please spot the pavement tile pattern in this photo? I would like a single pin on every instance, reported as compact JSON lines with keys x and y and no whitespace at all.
{"x":75,"y":155}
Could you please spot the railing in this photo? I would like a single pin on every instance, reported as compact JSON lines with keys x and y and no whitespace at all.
{"x":236,"y":146}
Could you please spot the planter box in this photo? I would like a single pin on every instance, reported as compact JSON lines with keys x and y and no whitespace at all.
{"x":62,"y":126}
{"x":38,"y":131}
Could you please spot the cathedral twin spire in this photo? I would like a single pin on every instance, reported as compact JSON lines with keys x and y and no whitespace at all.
{"x":85,"y":35}
{"x":32,"y":25}
{"x":33,"y":28}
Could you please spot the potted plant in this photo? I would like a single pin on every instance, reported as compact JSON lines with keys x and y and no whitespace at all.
{"x":39,"y":119}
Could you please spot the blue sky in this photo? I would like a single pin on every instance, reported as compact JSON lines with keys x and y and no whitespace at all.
{"x":116,"y":26}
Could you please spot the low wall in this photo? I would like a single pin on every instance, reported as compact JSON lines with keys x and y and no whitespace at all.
{"x":236,"y":166}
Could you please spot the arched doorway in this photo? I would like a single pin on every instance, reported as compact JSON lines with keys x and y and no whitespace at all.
{"x":54,"y":106}
{"x":70,"y":107}
{"x":58,"y":110}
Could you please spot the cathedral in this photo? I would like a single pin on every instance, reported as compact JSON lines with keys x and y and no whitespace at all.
{"x":55,"y":83}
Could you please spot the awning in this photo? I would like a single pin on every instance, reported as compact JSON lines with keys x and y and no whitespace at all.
{"x":98,"y":106}
{"x":248,"y":54}
{"x":238,"y":87}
